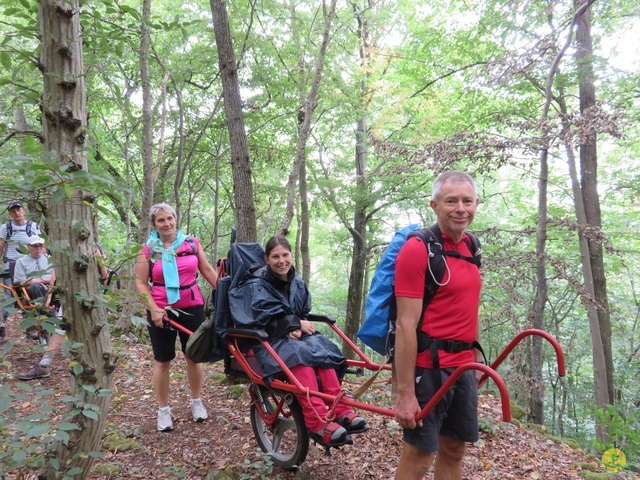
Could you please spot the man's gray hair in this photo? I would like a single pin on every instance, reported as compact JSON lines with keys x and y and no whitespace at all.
{"x":453,"y":176}
{"x":160,"y":207}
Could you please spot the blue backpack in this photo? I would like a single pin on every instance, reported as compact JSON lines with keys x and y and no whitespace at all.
{"x":378,"y":329}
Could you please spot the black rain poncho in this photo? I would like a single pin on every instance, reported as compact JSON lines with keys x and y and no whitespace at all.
{"x":263,"y":301}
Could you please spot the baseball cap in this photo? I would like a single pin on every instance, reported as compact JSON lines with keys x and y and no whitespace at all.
{"x":14,"y":205}
{"x":36,"y":241}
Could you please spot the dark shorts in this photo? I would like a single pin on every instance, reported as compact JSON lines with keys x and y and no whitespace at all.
{"x":163,"y":340}
{"x":457,"y":419}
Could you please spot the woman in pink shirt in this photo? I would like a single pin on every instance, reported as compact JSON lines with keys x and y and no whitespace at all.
{"x":166,"y":271}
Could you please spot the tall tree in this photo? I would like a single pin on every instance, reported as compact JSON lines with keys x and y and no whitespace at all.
{"x":589,"y":186}
{"x":242,"y":187}
{"x":147,"y":127}
{"x":355,"y":299}
{"x":64,"y":121}
{"x":307,"y":113}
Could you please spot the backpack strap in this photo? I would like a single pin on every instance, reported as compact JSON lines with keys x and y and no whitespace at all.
{"x":436,"y":266}
{"x":436,"y":263}
{"x":153,"y":254}
{"x":28,"y":229}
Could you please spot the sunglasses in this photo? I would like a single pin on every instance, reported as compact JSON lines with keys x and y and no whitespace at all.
{"x":37,"y":245}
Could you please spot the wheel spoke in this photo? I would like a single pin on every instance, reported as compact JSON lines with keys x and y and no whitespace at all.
{"x":279,"y":430}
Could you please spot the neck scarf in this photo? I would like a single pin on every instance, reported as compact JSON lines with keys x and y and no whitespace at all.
{"x":169,"y":263}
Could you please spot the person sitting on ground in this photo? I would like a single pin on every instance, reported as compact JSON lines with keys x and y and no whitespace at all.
{"x":275,"y":299}
{"x":13,"y":235}
{"x":35,"y":272}
{"x":166,"y":271}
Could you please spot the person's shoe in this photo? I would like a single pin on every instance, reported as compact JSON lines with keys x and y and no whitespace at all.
{"x":37,"y":371}
{"x":2,"y":333}
{"x":165,"y":420}
{"x":353,"y":423}
{"x":198,"y":411}
{"x":332,"y":435}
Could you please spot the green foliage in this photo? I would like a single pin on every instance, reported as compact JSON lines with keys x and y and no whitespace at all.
{"x":439,"y":85}
{"x":28,"y":439}
{"x":262,"y":467}
{"x":235,"y":391}
{"x":623,"y":429}
{"x":487,"y":426}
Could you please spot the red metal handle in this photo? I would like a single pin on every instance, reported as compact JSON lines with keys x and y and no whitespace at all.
{"x":177,"y":326}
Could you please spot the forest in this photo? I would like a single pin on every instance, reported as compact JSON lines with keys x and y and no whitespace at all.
{"x":328,"y":121}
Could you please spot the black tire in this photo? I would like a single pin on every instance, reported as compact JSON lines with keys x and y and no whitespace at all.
{"x":287,"y":441}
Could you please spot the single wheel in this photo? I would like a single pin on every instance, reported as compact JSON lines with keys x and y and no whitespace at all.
{"x":279,"y":426}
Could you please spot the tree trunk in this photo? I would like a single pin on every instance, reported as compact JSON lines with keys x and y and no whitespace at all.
{"x":598,"y":352}
{"x":303,"y":256}
{"x":304,"y":225}
{"x":35,"y":206}
{"x":355,"y":298}
{"x":242,"y":186}
{"x":72,"y":238}
{"x":536,"y":384}
{"x":309,"y":107}
{"x":147,"y":127}
{"x":589,"y":184}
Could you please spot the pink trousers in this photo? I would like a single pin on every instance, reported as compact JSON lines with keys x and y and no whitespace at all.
{"x":315,"y":409}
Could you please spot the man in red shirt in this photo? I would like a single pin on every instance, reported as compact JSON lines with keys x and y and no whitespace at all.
{"x":452,"y":314}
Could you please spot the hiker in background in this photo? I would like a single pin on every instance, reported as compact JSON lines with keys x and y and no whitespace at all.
{"x":273,"y":298}
{"x":166,"y":271}
{"x":106,"y":274}
{"x":34,"y":272}
{"x":13,"y":234}
{"x":452,"y":315}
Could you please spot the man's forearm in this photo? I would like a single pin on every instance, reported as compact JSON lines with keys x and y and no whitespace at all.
{"x":406,"y":349}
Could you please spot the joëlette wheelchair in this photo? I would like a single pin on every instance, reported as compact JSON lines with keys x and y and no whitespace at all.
{"x":34,"y":308}
{"x":276,"y":416}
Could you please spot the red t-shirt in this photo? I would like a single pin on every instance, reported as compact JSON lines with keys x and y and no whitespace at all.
{"x":452,"y":314}
{"x":187,"y":272}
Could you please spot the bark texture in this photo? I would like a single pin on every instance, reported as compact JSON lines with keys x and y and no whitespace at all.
{"x":305,"y":125}
{"x":589,"y":188}
{"x":147,"y":128}
{"x":241,"y":167}
{"x":71,"y":237}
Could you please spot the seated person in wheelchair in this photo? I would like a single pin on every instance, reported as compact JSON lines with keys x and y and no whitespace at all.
{"x":275,"y":299}
{"x":35,"y":273}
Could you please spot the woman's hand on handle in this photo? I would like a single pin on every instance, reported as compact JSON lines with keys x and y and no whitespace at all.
{"x":158,"y":317}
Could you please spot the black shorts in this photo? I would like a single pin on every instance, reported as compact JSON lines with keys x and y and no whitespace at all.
{"x":459,"y":417}
{"x":163,"y":340}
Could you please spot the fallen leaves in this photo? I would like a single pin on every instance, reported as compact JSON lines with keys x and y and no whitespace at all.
{"x":225,"y":442}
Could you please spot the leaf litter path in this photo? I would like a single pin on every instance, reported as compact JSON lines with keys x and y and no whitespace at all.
{"x":223,"y":447}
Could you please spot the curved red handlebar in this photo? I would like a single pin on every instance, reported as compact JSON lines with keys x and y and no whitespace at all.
{"x":518,"y":338}
{"x":488,"y":371}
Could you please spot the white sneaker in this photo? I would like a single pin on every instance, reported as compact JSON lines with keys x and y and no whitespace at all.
{"x":198,"y":411}
{"x":165,"y":420}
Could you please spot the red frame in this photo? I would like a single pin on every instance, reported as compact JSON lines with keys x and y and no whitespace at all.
{"x":293,"y":386}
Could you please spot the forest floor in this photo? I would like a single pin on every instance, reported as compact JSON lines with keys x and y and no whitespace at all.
{"x":223,"y":447}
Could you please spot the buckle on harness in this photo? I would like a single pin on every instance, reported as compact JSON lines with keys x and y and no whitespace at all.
{"x":452,"y":346}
